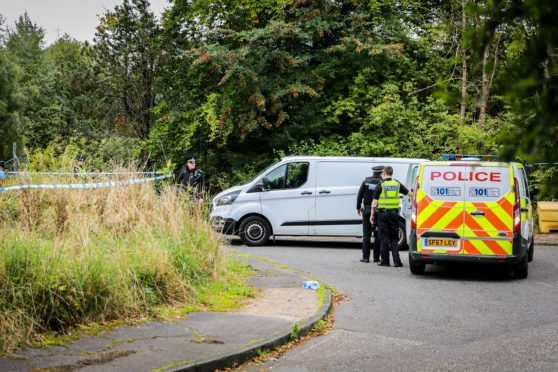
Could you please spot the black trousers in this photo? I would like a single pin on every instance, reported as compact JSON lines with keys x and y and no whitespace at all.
{"x":388,"y":225}
{"x":367,"y":232}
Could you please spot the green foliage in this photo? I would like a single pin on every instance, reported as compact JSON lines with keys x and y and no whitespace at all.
{"x":99,"y":155}
{"x":547,"y":177}
{"x":294,"y":332}
{"x":239,"y":83}
{"x":127,"y":52}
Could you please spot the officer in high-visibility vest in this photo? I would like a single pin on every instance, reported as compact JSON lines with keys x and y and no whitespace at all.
{"x":364,"y":209}
{"x":386,"y":200}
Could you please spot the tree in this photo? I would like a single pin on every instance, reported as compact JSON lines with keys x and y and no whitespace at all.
{"x":530,"y":81}
{"x":127,"y":51}
{"x":9,"y":126}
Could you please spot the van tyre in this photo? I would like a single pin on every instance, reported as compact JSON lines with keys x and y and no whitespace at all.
{"x":417,"y":268}
{"x":521,"y":270}
{"x":531,"y":250}
{"x":254,"y":231}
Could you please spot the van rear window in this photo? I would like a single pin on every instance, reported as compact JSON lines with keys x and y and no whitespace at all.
{"x":440,"y":184}
{"x":487,"y":183}
{"x":465,"y":183}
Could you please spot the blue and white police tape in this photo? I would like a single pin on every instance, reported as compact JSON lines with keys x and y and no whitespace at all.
{"x":80,"y":173}
{"x":95,"y":185}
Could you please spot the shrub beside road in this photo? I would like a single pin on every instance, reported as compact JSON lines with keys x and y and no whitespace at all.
{"x":73,"y":257}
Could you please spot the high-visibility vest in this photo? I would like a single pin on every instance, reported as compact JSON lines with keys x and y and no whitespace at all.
{"x":389,"y":198}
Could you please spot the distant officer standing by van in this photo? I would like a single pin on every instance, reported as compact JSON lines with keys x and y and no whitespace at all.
{"x":366,"y":193}
{"x":386,"y":200}
{"x":191,"y":179}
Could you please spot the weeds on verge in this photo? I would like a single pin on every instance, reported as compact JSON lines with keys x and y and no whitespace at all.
{"x":76,"y":256}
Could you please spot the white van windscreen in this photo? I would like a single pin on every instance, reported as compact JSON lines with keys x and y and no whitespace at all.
{"x":466,"y":183}
{"x":441,"y":183}
{"x":487,"y":184}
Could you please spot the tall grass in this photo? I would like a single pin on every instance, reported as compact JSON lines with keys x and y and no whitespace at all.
{"x":75,"y":256}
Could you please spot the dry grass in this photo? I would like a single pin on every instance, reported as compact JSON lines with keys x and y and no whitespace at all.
{"x":75,"y":256}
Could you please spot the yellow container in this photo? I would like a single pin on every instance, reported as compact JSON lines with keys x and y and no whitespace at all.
{"x":548,"y":216}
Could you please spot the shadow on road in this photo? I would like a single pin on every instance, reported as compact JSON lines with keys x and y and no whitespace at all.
{"x":468,"y":272}
{"x":446,"y":271}
{"x":331,"y":243}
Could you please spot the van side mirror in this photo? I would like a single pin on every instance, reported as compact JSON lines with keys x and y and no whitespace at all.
{"x":261,"y":185}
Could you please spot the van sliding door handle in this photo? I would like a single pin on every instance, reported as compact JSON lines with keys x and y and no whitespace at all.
{"x":524,"y":210}
{"x":477,"y":213}
{"x":325,"y":192}
{"x":306,"y":193}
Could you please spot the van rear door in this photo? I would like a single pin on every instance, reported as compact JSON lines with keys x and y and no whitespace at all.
{"x":440,"y":208}
{"x":489,"y":199}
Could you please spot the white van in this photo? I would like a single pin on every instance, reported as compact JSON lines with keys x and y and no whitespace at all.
{"x":305,"y":196}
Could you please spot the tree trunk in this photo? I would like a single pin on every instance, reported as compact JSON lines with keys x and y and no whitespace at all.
{"x":464,"y":63}
{"x":484,"y":87}
{"x":487,"y":80}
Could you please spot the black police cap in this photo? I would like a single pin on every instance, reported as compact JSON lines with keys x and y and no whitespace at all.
{"x":191,"y":160}
{"x":378,"y":168}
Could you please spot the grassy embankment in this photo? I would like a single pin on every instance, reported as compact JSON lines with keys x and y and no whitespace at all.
{"x":73,"y":257}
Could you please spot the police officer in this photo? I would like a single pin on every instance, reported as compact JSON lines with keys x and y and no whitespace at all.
{"x":79,"y":167}
{"x":386,"y":200}
{"x":191,"y":179}
{"x":366,"y":192}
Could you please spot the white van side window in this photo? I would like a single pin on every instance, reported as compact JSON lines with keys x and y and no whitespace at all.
{"x":297,"y":175}
{"x":275,"y":180}
{"x":287,"y":176}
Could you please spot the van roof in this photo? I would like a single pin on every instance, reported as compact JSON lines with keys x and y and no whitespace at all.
{"x":355,"y":158}
{"x":469,"y":162}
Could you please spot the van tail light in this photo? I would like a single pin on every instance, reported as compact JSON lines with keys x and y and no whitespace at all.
{"x":516,"y":208}
{"x":414,"y":209}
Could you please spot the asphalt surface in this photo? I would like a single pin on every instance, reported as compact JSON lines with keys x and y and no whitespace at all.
{"x":455,"y":318}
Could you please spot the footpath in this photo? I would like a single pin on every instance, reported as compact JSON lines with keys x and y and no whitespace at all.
{"x":202,"y":341}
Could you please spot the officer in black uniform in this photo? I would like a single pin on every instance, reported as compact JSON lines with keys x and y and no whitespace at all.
{"x":191,"y":179}
{"x":386,"y":200}
{"x":366,"y":192}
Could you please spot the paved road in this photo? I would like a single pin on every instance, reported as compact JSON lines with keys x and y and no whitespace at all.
{"x":472,"y":318}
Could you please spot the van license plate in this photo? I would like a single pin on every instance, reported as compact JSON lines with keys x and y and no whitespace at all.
{"x":441,"y":243}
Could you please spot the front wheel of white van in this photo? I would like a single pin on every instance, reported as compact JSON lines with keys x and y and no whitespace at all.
{"x":254,"y":230}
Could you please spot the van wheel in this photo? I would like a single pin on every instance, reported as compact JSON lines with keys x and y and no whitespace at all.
{"x":417,"y":268}
{"x":521,"y":270}
{"x":254,"y":230}
{"x":531,"y":253}
{"x":402,"y":242}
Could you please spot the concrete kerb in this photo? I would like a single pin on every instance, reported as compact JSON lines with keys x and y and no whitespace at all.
{"x":244,"y":355}
{"x":546,"y":244}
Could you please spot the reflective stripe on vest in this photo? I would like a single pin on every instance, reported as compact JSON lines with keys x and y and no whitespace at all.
{"x":389,"y":198}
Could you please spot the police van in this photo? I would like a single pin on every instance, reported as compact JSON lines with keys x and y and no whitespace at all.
{"x":304,"y":196}
{"x":471,"y":211}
